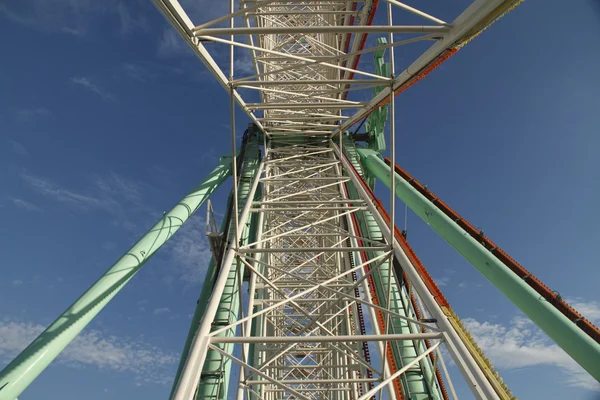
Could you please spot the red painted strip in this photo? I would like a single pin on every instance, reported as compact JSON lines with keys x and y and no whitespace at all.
{"x":552,"y":297}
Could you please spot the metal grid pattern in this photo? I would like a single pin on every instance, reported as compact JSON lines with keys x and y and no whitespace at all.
{"x":305,"y":247}
{"x":300,"y":334}
{"x":306,"y":55}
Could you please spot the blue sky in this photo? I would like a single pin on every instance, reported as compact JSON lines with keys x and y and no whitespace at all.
{"x":106,"y":120}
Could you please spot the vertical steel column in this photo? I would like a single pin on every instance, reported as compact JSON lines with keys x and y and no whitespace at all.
{"x":388,"y":287}
{"x":250,"y":307}
{"x":472,"y":373}
{"x":36,"y":357}
{"x":188,"y":381}
{"x":215,"y":371}
{"x":207,"y":286}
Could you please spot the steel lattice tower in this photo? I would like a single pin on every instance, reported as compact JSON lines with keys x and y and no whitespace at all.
{"x":313,"y":292}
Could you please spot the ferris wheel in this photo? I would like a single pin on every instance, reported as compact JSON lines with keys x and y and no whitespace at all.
{"x":313,"y":291}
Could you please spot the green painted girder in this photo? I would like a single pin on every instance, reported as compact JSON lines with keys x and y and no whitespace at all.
{"x":17,"y":375}
{"x":581,"y":347}
{"x":209,"y":281}
{"x":404,"y":350}
{"x":216,"y":371}
{"x":376,"y":120}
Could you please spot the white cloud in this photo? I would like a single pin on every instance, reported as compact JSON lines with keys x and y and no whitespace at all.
{"x":130,"y":23}
{"x":243,"y":64}
{"x":442,"y":281}
{"x":73,"y":17}
{"x":139,"y":73}
{"x":89,"y":85}
{"x":201,"y":11}
{"x":190,"y":251}
{"x":27,"y":114}
{"x":110,"y":193}
{"x":25,"y":205}
{"x":117,"y":185}
{"x":172,"y":44}
{"x":18,"y":148}
{"x":57,"y":193}
{"x":589,"y":309}
{"x":146,"y":362}
{"x":17,"y":282}
{"x":161,"y":310}
{"x":521,"y":344}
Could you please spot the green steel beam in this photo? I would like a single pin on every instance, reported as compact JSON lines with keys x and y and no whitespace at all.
{"x":206,"y":291}
{"x":584,"y":350}
{"x":216,"y":371}
{"x":376,"y":120}
{"x":418,"y":387}
{"x":35,"y":358}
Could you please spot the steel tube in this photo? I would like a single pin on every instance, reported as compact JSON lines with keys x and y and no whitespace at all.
{"x":467,"y":365}
{"x":35,"y":358}
{"x":193,"y":367}
{"x":325,"y":339}
{"x":289,"y":30}
{"x":565,"y":333}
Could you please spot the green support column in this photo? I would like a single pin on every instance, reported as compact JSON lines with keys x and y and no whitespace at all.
{"x":35,"y":358}
{"x":216,"y":371}
{"x":418,"y":387}
{"x":584,"y":350}
{"x":207,"y":286}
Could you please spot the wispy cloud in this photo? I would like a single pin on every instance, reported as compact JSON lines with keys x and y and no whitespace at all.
{"x":92,"y":348}
{"x":201,"y":11}
{"x":139,"y":73}
{"x":73,"y":198}
{"x":190,"y":251}
{"x":17,"y":282}
{"x":161,"y":310}
{"x":243,"y":65}
{"x":123,"y":199}
{"x":28,"y":114}
{"x":107,"y":192}
{"x":18,"y":148}
{"x":589,"y":309}
{"x":117,"y":185}
{"x":89,"y":85}
{"x":73,"y":17}
{"x":442,"y":281}
{"x":171,"y":44}
{"x":25,"y":205}
{"x":129,"y":22}
{"x":521,"y":344}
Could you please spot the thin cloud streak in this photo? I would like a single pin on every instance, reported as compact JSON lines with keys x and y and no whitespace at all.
{"x":18,"y":148}
{"x":69,"y":197}
{"x":139,"y":73}
{"x":25,"y":205}
{"x":29,"y":114}
{"x":87,"y":83}
{"x":92,"y":348}
{"x":74,"y":17}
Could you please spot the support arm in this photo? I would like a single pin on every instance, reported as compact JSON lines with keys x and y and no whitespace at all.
{"x":578,"y":343}
{"x":35,"y":358}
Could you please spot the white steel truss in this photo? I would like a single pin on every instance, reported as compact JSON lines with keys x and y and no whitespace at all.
{"x":314,"y":325}
{"x":327,"y":315}
{"x":305,"y":54}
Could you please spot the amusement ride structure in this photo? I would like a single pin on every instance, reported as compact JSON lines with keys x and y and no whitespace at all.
{"x":312,"y":291}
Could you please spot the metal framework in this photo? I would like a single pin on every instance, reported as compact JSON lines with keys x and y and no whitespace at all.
{"x":313,"y":293}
